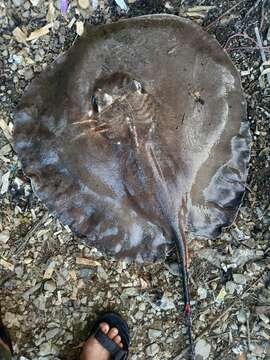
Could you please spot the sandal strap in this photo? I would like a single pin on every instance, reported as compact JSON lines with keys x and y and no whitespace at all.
{"x":116,"y":352}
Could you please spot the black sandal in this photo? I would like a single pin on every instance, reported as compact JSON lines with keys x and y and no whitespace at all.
{"x":116,"y":321}
{"x":6,"y":350}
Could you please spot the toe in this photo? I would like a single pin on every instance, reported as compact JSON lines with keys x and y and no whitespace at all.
{"x":113,"y":333}
{"x":117,"y":339}
{"x":104,"y":327}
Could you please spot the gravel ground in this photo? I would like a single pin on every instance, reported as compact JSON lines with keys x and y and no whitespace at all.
{"x":52,"y":284}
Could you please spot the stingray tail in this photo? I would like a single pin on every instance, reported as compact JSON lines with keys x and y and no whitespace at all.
{"x":182,"y":252}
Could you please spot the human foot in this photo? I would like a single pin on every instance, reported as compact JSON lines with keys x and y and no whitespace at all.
{"x":93,"y":350}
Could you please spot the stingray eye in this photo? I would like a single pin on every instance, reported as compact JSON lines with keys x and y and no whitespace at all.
{"x":94,"y":103}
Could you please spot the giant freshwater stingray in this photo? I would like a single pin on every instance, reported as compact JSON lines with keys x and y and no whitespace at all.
{"x":138,"y":136}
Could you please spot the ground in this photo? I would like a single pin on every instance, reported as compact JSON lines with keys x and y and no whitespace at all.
{"x":52,"y":284}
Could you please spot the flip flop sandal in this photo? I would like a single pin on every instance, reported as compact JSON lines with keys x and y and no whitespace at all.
{"x":6,"y":349}
{"x":116,"y":321}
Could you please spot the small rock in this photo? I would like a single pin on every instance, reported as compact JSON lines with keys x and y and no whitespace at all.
{"x":34,"y":2}
{"x":202,"y":348}
{"x":152,"y":349}
{"x":139,"y":315}
{"x":239,"y":279}
{"x":84,"y":4}
{"x":18,"y":3}
{"x":52,"y":333}
{"x":230,"y":287}
{"x":202,"y":292}
{"x":166,"y":303}
{"x":85,"y":273}
{"x":102,"y":273}
{"x":173,"y":268}
{"x":49,"y":286}
{"x":153,"y":334}
{"x":4,"y":236}
{"x":45,"y":349}
{"x":28,"y":74}
{"x":242,"y":316}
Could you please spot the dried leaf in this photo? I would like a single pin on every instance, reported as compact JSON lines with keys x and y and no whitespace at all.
{"x":19,"y":35}
{"x":39,"y":32}
{"x":87,"y":262}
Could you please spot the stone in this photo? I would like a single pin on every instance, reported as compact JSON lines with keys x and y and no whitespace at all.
{"x":85,"y":273}
{"x":239,"y":279}
{"x":153,"y":334}
{"x":202,"y":292}
{"x":84,"y":4}
{"x":152,"y":349}
{"x":202,"y":348}
{"x":49,"y":286}
{"x":230,"y":287}
{"x":102,"y":273}
{"x":45,"y":349}
{"x":242,"y":316}
{"x":166,"y":303}
{"x":4,"y":236}
{"x":52,"y":333}
{"x":18,"y":3}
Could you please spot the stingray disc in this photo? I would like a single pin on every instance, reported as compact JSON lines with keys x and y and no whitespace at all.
{"x":138,"y":130}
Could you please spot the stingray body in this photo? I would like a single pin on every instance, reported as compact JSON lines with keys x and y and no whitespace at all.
{"x":137,"y":135}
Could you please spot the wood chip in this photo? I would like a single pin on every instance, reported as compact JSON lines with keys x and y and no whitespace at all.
{"x":19,"y":35}
{"x":49,"y":271}
{"x":73,"y":275}
{"x":5,"y":183}
{"x":79,"y":28}
{"x":6,"y":130}
{"x":6,"y":265}
{"x":51,"y":13}
{"x":87,"y":262}
{"x":39,"y":32}
{"x":263,"y":309}
{"x":5,"y":150}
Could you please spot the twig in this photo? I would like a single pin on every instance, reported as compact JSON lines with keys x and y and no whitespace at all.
{"x":30,"y":233}
{"x":252,"y":9}
{"x":224,"y":14}
{"x":248,"y":333}
{"x":232,"y":304}
{"x":260,"y":44}
{"x":263,"y":17}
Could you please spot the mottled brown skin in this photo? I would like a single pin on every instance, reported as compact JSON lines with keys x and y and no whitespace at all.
{"x":138,"y":132}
